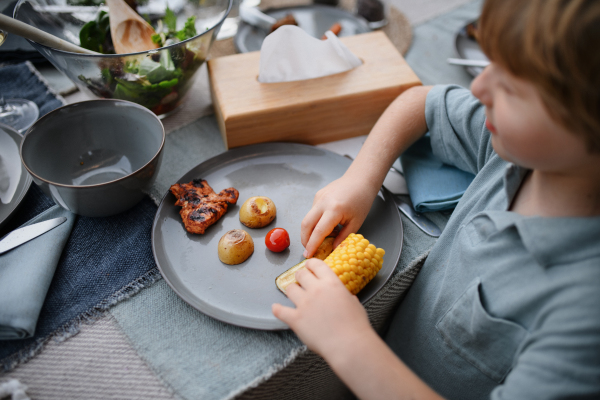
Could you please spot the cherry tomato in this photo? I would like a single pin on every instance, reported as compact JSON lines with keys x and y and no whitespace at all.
{"x":277,"y":240}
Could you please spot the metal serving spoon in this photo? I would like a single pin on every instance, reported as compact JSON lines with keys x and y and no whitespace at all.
{"x":22,"y":29}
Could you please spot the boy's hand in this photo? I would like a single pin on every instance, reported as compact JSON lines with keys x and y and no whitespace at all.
{"x":327,"y":316}
{"x":345,"y":201}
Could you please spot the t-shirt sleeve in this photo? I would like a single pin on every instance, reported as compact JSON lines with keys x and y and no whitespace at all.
{"x":561,"y":357}
{"x":456,"y":122}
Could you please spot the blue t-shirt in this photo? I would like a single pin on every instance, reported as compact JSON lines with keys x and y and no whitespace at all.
{"x":506,"y":306}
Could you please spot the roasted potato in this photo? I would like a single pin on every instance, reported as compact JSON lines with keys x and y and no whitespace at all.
{"x":235,"y":247}
{"x":257,"y":212}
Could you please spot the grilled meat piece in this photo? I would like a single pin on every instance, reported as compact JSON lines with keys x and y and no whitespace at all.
{"x":201,"y":206}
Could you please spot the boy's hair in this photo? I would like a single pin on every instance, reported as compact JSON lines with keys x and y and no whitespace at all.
{"x":555,"y":45}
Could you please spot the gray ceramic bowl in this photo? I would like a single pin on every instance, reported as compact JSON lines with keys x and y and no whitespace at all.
{"x":95,"y":158}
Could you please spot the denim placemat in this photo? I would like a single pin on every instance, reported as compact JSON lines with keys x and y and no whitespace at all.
{"x":105,"y":259}
{"x":24,"y":82}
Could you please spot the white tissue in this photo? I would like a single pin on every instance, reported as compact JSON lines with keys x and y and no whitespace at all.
{"x":291,"y":54}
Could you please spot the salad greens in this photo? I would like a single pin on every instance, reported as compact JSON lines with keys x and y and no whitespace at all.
{"x":95,"y":35}
{"x":148,"y":82}
{"x":156,"y":81}
{"x":170,"y":22}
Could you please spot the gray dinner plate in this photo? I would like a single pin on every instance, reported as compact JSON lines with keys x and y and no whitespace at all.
{"x":289,"y":174}
{"x":315,"y":19}
{"x":469,"y":49}
{"x":14,"y":178}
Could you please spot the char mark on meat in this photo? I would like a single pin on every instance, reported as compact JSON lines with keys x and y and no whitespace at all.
{"x":201,"y":207}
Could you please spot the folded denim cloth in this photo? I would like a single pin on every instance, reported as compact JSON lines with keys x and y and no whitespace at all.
{"x":433,"y":185}
{"x":25,"y":275}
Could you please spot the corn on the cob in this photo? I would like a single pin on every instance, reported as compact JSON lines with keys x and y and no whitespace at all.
{"x":354,"y":261}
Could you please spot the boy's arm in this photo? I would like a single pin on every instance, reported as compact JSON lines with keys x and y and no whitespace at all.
{"x":348,"y":199}
{"x":333,"y":323}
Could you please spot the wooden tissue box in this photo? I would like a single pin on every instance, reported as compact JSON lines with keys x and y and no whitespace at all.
{"x":310,"y":111}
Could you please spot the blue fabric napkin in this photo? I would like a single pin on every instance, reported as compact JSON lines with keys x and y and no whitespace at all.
{"x":433,"y":185}
{"x":26,"y":273}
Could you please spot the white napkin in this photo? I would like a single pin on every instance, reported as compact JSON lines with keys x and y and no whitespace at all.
{"x":291,"y":54}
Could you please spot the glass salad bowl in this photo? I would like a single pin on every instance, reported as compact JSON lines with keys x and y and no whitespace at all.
{"x":157,"y":79}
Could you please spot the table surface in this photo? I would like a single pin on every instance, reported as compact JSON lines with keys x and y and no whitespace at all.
{"x":92,"y":369}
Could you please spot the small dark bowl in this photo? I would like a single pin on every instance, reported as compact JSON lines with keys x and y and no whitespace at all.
{"x":95,"y":158}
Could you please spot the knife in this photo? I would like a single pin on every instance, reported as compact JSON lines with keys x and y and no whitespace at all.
{"x":468,"y":62}
{"x":424,"y":223}
{"x":25,"y":234}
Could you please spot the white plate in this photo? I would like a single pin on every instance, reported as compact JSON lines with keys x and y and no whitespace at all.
{"x":14,"y":178}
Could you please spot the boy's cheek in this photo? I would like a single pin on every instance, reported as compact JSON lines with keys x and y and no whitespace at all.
{"x":498,"y":148}
{"x":501,"y":149}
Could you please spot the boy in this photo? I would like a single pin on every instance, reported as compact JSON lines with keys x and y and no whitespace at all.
{"x":506,"y":305}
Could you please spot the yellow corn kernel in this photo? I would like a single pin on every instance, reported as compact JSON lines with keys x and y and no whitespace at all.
{"x":362,"y":261}
{"x":355,"y":261}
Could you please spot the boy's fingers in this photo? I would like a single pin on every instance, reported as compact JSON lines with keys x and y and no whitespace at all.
{"x":323,"y":228}
{"x":305,"y":278}
{"x":351,"y":227}
{"x":285,"y":314}
{"x":308,"y":224}
{"x":318,"y":268}
{"x":294,"y":292}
